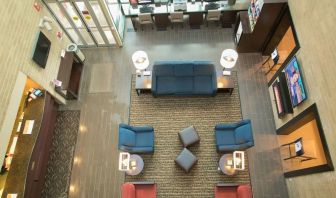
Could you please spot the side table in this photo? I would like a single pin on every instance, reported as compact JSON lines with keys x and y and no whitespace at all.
{"x":225,"y":84}
{"x":143,"y":83}
{"x":225,"y":166}
{"x":138,"y":167}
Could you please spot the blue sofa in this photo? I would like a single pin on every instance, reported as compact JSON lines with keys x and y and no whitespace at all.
{"x":184,"y":78}
{"x":136,"y":139}
{"x":234,"y":137}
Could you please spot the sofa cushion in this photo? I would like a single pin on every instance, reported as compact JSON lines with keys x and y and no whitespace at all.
{"x":226,"y":191}
{"x":145,"y":191}
{"x":145,"y":139}
{"x":185,"y":69}
{"x":243,"y":134}
{"x":244,"y":191}
{"x":203,"y":84}
{"x":164,"y":70}
{"x":225,"y":137}
{"x":184,"y":85}
{"x":128,"y":190}
{"x":165,"y":84}
{"x":127,"y":137}
{"x":203,"y":69}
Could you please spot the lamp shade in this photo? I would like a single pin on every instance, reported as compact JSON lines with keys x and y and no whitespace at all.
{"x":229,"y":58}
{"x":140,"y":60}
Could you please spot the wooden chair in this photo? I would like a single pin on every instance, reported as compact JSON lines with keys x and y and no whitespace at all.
{"x":144,"y":19}
{"x":176,"y":17}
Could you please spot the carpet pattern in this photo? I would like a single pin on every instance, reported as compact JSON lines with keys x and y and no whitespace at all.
{"x":170,"y":114}
{"x":61,"y":155}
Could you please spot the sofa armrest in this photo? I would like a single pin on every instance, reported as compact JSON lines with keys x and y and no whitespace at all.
{"x":246,"y":145}
{"x":143,"y":182}
{"x":153,"y":87}
{"x":125,"y":148}
{"x":137,"y":129}
{"x":143,"y":129}
{"x":227,"y":184}
{"x":222,"y":148}
{"x":142,"y":149}
{"x":231,"y":126}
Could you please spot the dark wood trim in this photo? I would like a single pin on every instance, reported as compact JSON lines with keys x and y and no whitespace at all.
{"x":309,"y":171}
{"x":307,"y":115}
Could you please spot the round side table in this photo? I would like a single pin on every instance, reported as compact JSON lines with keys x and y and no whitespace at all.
{"x":225,"y":167}
{"x":138,"y":167}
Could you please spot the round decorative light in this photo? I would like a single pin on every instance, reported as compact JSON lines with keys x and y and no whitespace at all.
{"x":140,"y":60}
{"x":229,"y":58}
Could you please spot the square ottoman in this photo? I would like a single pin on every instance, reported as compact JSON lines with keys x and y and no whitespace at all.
{"x":186,"y":160}
{"x":189,"y":136}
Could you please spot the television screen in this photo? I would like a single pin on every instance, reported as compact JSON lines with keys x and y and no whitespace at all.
{"x":41,"y":51}
{"x":294,"y":82}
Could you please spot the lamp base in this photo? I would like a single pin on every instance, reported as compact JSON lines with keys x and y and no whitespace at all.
{"x":226,"y":73}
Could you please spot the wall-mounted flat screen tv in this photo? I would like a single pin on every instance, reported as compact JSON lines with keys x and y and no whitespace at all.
{"x":294,"y":82}
{"x":41,"y":50}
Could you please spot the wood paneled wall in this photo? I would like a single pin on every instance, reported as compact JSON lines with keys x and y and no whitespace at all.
{"x":315,"y":26}
{"x":19,"y":27}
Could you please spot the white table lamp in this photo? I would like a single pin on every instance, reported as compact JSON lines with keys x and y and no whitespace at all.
{"x":140,"y":60}
{"x":228,"y":60}
{"x":124,"y":161}
{"x":239,"y":160}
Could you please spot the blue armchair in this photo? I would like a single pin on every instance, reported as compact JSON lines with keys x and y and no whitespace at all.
{"x":136,"y":139}
{"x":233,"y":137}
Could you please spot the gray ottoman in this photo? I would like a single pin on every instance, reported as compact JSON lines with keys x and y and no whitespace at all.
{"x":186,"y":160}
{"x":189,"y":136}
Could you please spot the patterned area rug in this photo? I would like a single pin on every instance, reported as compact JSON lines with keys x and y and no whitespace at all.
{"x":61,"y":155}
{"x":168,"y":115}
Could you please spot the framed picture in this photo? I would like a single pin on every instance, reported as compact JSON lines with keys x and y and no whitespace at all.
{"x":277,"y":97}
{"x":295,"y":84}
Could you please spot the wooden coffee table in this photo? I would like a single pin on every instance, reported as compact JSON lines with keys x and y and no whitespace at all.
{"x":224,"y":166}
{"x":143,"y":83}
{"x":225,"y":84}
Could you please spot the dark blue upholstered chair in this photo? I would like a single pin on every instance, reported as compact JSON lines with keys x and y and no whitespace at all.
{"x":136,"y":139}
{"x":234,"y":137}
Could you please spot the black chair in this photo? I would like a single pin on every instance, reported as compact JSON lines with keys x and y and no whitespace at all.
{"x":161,"y":21}
{"x":296,"y":150}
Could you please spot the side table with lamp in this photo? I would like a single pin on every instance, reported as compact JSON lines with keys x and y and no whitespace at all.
{"x":131,"y":164}
{"x":228,"y":60}
{"x":230,"y":163}
{"x":143,"y":81}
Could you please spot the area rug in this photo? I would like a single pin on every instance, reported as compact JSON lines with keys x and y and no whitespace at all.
{"x":169,"y":115}
{"x":61,"y":155}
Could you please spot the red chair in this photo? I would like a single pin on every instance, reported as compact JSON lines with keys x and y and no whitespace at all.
{"x":138,"y":190}
{"x":223,"y":190}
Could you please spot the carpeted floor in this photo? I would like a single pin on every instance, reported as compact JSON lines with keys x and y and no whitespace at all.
{"x":169,"y":115}
{"x":61,"y":155}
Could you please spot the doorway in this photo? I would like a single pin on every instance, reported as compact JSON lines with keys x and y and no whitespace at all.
{"x":84,"y":22}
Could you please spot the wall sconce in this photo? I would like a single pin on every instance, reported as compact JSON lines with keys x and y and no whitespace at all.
{"x":45,"y":23}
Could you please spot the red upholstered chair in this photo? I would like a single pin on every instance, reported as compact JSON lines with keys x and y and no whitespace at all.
{"x":138,"y":190}
{"x":233,"y":191}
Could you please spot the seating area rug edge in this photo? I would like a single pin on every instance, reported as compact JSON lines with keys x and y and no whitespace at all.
{"x":169,"y":115}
